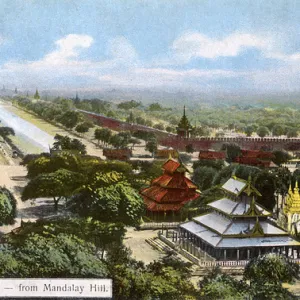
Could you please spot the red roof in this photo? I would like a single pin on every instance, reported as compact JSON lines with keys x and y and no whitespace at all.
{"x":211,"y":155}
{"x":257,"y":154}
{"x":175,"y":181}
{"x":253,"y":161}
{"x":171,"y":166}
{"x":154,"y":206}
{"x":122,"y":154}
{"x":171,"y":190}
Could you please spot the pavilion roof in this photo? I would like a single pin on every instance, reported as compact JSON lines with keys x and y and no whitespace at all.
{"x":163,"y":195}
{"x":236,"y":186}
{"x":169,"y":181}
{"x":218,"y":240}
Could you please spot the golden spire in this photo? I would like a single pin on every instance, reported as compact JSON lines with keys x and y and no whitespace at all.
{"x":293,"y":200}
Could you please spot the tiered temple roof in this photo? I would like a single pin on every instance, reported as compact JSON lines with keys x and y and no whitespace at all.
{"x":184,"y":127}
{"x":293,"y":200}
{"x":237,"y":221}
{"x":170,"y":191}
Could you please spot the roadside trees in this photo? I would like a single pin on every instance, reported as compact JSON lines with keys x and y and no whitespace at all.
{"x":58,"y":185}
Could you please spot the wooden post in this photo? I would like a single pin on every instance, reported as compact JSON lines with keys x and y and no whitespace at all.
{"x":238,"y":254}
{"x":224,"y":254}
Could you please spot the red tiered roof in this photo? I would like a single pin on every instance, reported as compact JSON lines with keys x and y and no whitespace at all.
{"x":203,"y":154}
{"x":170,"y":191}
{"x":255,"y":158}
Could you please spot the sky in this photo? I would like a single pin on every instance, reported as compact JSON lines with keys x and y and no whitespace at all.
{"x":210,"y":46}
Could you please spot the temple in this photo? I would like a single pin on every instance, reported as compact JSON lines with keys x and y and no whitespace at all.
{"x":169,"y":192}
{"x":291,"y":210}
{"x":184,"y":127}
{"x":236,"y":227}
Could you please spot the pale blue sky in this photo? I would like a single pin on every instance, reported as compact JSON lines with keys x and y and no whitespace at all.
{"x":187,"y":45}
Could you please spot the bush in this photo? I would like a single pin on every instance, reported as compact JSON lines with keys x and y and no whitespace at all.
{"x":8,"y":206}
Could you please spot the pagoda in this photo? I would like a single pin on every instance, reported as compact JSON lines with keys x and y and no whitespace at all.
{"x":292,"y":209}
{"x":169,"y":192}
{"x":184,"y":127}
{"x":236,"y":227}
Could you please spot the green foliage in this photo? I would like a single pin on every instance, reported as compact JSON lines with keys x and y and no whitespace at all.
{"x":36,"y":95}
{"x":61,"y":256}
{"x":232,"y":151}
{"x":262,"y":131}
{"x":57,"y":185}
{"x":70,"y":119}
{"x":66,"y":143}
{"x":217,"y":285}
{"x":281,"y":157}
{"x":102,"y":235}
{"x":8,"y":206}
{"x":151,"y":146}
{"x":155,"y":107}
{"x":128,"y":104}
{"x":270,"y":291}
{"x":109,"y":197}
{"x":217,"y":164}
{"x":203,"y":177}
{"x":271,"y":268}
{"x":103,"y":134}
{"x":6,"y":131}
{"x":84,"y":127}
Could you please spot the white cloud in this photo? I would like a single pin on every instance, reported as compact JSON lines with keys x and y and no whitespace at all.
{"x":68,"y":47}
{"x":65,"y":63}
{"x":193,"y":45}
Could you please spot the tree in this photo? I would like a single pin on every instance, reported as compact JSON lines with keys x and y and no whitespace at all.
{"x":249,"y":130}
{"x":271,"y":268}
{"x":8,"y":206}
{"x":232,"y":151}
{"x":70,"y":119}
{"x":83,"y":127}
{"x":103,"y":134}
{"x":278,"y":130}
{"x":155,"y":107}
{"x":6,"y":131}
{"x":262,"y":131}
{"x":108,"y":196}
{"x":151,"y":146}
{"x":66,"y":143}
{"x":280,"y":157}
{"x":159,"y":126}
{"x":189,"y":148}
{"x":102,"y":235}
{"x":57,"y":185}
{"x":217,"y":285}
{"x":292,"y":132}
{"x":203,"y":177}
{"x":129,"y":104}
{"x":56,"y":256}
{"x":267,"y":273}
{"x":36,"y":95}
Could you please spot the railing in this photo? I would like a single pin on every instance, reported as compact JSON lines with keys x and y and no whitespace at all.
{"x":154,"y":225}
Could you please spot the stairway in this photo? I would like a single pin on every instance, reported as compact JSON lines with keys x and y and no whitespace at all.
{"x":159,"y":245}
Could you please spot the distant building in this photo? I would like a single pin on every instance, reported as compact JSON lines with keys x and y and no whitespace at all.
{"x":165,"y":153}
{"x":117,"y":154}
{"x":169,"y":192}
{"x":184,"y":127}
{"x":237,"y":227}
{"x":212,"y":155}
{"x":256,"y":158}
